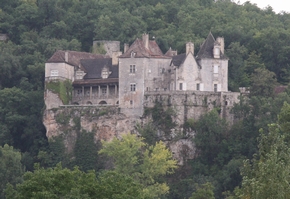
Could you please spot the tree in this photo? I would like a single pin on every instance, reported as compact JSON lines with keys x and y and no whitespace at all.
{"x":210,"y":130}
{"x":204,"y":191}
{"x":268,"y":174}
{"x":11,"y":169}
{"x":146,"y":164}
{"x":263,"y":83}
{"x":60,"y":182}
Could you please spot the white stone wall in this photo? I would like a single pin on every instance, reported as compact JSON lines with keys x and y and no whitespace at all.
{"x":131,"y":102}
{"x":187,"y":74}
{"x":193,"y":104}
{"x":209,"y":78}
{"x":65,"y":71}
{"x":156,"y":75}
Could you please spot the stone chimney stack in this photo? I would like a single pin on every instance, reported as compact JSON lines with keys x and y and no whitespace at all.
{"x":189,"y":48}
{"x":145,"y":39}
{"x":115,"y":57}
{"x":222,"y":43}
{"x":66,"y":56}
{"x":126,"y":47}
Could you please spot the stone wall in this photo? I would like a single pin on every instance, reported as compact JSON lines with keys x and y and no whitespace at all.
{"x":108,"y":46}
{"x":193,"y":104}
{"x":65,"y":71}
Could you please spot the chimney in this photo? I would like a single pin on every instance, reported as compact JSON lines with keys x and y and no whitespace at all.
{"x":126,"y":47}
{"x":189,"y":48}
{"x":222,"y":43}
{"x":66,"y":56}
{"x":115,"y":57}
{"x":145,"y":39}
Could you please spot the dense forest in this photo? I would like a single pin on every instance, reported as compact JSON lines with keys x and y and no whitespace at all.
{"x":241,"y":156}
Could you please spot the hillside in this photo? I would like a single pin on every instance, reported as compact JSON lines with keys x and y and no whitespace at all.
{"x":256,"y":41}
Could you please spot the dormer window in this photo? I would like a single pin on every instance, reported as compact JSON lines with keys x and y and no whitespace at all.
{"x":133,"y":54}
{"x":105,"y":73}
{"x":79,"y":74}
{"x":216,"y":52}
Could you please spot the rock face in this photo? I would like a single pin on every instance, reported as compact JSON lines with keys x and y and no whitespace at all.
{"x":106,"y":123}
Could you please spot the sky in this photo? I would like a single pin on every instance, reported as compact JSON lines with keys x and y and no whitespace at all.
{"x":277,"y":5}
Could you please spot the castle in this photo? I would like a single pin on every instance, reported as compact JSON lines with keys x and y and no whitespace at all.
{"x":130,"y":79}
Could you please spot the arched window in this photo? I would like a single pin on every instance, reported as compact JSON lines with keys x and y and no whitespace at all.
{"x":103,"y":102}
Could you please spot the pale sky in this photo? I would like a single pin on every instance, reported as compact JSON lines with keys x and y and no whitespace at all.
{"x":277,"y":5}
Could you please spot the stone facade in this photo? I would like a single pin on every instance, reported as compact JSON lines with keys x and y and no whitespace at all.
{"x":123,"y":79}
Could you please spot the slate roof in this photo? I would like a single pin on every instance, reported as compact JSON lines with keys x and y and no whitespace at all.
{"x":74,"y":57}
{"x":82,"y":82}
{"x":206,"y":50}
{"x":177,"y":60}
{"x":94,"y":67}
{"x":141,"y":51}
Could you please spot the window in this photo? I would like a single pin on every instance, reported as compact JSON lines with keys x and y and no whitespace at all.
{"x":216,"y":52}
{"x":104,"y":91}
{"x":133,"y":54}
{"x":133,"y":87}
{"x":105,"y":73}
{"x":215,"y":87}
{"x":215,"y":69}
{"x":79,"y":92}
{"x":54,"y":73}
{"x":197,"y":87}
{"x":79,"y":74}
{"x":180,"y":86}
{"x":132,"y":69}
{"x":131,"y":102}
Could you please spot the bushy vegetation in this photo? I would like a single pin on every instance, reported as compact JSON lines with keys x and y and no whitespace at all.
{"x":257,"y":44}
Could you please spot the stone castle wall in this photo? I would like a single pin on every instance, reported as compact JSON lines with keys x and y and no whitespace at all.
{"x":193,"y":104}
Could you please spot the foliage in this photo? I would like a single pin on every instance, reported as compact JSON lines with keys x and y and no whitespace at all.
{"x":86,"y":151}
{"x":60,"y":182}
{"x":144,"y":163}
{"x":62,"y":88}
{"x":11,"y":169}
{"x":263,"y":83}
{"x":162,"y":117}
{"x":256,"y":42}
{"x":148,"y":132}
{"x":210,"y":133}
{"x":268,"y":174}
{"x":205,"y":191}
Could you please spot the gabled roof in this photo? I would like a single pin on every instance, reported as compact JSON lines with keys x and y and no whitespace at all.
{"x":206,"y":50}
{"x":74,"y":57}
{"x":171,"y":53}
{"x":94,"y":67}
{"x":138,"y":47}
{"x":177,"y":60}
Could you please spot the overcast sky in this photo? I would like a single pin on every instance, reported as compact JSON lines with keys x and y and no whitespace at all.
{"x":277,"y":5}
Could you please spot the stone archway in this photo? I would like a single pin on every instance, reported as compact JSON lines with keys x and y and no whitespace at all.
{"x":103,"y":102}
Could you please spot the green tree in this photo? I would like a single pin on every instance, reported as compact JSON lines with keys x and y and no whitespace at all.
{"x":268,"y":175}
{"x":211,"y":130}
{"x":204,"y":191}
{"x":60,"y":182}
{"x":263,"y":83}
{"x":146,"y":164}
{"x":11,"y":169}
